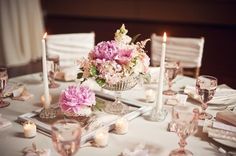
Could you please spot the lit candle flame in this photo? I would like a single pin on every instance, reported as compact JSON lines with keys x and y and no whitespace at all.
{"x":45,"y":35}
{"x":164,"y":37}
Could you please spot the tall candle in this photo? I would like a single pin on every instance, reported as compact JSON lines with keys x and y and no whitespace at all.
{"x":159,"y":102}
{"x":45,"y":74}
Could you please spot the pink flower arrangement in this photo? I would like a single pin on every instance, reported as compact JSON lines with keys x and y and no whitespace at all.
{"x":74,"y":99}
{"x":111,"y":61}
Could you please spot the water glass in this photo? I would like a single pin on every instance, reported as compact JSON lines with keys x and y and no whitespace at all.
{"x":66,"y":136}
{"x":184,"y":123}
{"x":53,"y":66}
{"x":171,"y":71}
{"x":205,"y":86}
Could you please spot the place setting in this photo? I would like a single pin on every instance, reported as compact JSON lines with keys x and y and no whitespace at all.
{"x":220,"y":126}
{"x":223,"y":97}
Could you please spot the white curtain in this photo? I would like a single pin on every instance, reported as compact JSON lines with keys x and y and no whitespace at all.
{"x":21,"y":31}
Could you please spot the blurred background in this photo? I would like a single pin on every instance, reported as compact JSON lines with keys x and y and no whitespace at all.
{"x":212,"y":19}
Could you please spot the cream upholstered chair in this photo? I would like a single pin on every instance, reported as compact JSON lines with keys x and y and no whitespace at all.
{"x":70,"y":47}
{"x":188,"y":51}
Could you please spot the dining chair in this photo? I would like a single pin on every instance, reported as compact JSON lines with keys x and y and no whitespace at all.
{"x":187,"y":51}
{"x":70,"y":47}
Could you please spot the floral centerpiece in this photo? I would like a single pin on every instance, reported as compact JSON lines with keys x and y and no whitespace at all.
{"x":116,"y":65}
{"x":77,"y":101}
{"x":111,"y":61}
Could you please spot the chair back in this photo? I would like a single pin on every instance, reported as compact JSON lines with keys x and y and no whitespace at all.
{"x":188,"y":51}
{"x":70,"y":47}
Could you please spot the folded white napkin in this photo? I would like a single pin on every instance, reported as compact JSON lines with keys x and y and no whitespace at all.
{"x":218,"y":125}
{"x":221,"y":134}
{"x":177,"y":99}
{"x":139,"y":150}
{"x":17,"y":91}
{"x":222,"y":95}
{"x":13,"y":89}
{"x":23,"y":96}
{"x":219,"y":130}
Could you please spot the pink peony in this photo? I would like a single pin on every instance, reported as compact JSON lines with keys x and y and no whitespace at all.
{"x":106,"y":50}
{"x":73,"y":99}
{"x":124,"y":56}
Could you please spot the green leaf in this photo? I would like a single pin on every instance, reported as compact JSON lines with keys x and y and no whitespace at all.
{"x":101,"y":82}
{"x":93,"y":71}
{"x":135,"y":38}
{"x":146,"y":78}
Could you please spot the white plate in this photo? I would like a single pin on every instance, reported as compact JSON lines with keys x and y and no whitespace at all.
{"x":228,"y":143}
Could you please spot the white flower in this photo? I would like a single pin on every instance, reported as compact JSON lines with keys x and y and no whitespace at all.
{"x":121,"y":37}
{"x":138,"y":68}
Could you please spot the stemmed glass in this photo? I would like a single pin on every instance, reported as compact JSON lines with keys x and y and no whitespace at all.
{"x":185,"y":123}
{"x":53,"y":67}
{"x":206,"y":86}
{"x":3,"y":83}
{"x":118,"y":107}
{"x":171,"y":71}
{"x":66,"y":136}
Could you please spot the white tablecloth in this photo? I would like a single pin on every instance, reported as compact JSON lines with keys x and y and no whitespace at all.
{"x":154,"y":134}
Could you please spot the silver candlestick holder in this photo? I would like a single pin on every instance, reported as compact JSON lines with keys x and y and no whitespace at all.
{"x":48,"y":113}
{"x":158,"y":115}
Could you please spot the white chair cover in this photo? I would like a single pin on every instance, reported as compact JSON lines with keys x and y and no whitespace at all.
{"x":70,"y":47}
{"x":186,"y":50}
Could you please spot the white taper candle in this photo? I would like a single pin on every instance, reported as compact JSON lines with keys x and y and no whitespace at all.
{"x":159,"y":101}
{"x":45,"y":74}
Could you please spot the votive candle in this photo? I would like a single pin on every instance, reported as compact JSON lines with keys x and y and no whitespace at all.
{"x":121,"y":126}
{"x":101,"y":137}
{"x":150,"y":95}
{"x":29,"y":129}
